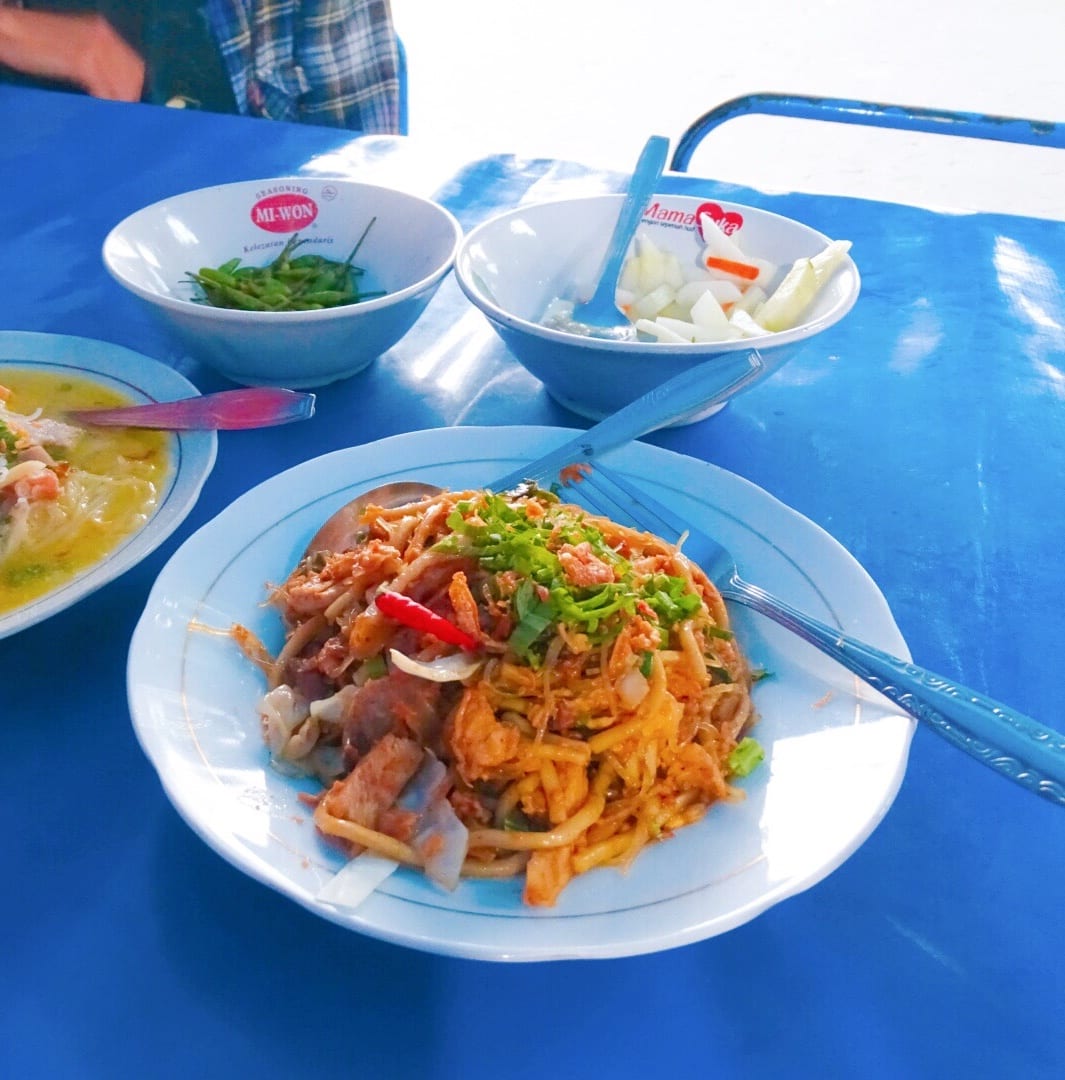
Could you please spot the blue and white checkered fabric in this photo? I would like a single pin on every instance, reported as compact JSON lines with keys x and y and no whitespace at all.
{"x":331,"y":62}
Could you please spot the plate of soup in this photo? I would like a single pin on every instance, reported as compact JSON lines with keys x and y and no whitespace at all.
{"x":81,"y":505}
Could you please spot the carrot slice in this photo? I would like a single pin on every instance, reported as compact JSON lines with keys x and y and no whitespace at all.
{"x":730,"y":266}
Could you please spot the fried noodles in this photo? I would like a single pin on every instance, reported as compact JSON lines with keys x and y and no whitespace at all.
{"x":593,"y":704}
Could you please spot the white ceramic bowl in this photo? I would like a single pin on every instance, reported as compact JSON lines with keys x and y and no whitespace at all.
{"x":513,"y":265}
{"x":408,"y":252}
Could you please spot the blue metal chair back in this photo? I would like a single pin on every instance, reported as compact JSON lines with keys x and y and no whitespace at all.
{"x":845,"y":111}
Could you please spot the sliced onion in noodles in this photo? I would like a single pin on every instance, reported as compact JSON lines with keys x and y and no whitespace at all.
{"x":632,"y":688}
{"x":439,"y":837}
{"x":427,"y":784}
{"x":442,"y":841}
{"x":356,"y":880}
{"x":454,"y":668}
{"x":282,"y":711}
{"x":334,"y":708}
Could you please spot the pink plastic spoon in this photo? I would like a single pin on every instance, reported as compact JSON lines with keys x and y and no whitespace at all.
{"x":228,"y":410}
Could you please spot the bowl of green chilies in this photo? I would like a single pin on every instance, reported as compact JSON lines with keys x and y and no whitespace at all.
{"x":292,"y":281}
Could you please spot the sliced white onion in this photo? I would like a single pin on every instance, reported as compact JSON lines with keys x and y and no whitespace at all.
{"x":454,"y":668}
{"x":439,"y":837}
{"x":442,"y":841}
{"x":356,"y":880}
{"x":334,"y":708}
{"x":282,"y":711}
{"x":632,"y":688}
{"x":426,"y":785}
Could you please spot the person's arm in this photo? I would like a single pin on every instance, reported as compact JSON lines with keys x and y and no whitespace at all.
{"x":83,"y":50}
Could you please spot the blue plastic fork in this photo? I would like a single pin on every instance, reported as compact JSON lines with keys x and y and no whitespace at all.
{"x":712,"y":382}
{"x":1012,"y":744}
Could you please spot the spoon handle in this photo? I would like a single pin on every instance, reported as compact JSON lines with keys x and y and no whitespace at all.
{"x":1007,"y":741}
{"x":600,"y":308}
{"x":710,"y":382}
{"x":228,"y":410}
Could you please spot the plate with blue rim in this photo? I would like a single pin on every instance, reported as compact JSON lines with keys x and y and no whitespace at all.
{"x":836,"y":751}
{"x":140,"y":380}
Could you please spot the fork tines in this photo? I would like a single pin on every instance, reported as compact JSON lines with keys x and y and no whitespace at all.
{"x":603,"y":491}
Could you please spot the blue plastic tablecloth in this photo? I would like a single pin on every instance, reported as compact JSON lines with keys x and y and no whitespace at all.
{"x":926,"y":432}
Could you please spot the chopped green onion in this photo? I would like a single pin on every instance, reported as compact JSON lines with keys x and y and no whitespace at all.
{"x":18,"y":575}
{"x":8,"y":439}
{"x":534,"y":617}
{"x":719,"y":673}
{"x":374,"y":667}
{"x":746,"y":756}
{"x":502,"y":537}
{"x":516,"y":820}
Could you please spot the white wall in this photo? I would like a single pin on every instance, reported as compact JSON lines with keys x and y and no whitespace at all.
{"x":589,"y":80}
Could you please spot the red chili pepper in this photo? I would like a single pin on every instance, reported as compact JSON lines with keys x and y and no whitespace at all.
{"x":418,"y":617}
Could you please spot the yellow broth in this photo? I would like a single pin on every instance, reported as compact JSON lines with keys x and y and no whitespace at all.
{"x":138,"y":460}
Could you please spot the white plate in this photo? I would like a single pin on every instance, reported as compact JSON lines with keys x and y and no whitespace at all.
{"x":836,"y":751}
{"x":141,"y":380}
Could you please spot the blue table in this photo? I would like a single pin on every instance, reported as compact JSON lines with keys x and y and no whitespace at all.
{"x":926,"y":433}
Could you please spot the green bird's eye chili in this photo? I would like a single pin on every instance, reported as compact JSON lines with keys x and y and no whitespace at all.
{"x":303,"y":283}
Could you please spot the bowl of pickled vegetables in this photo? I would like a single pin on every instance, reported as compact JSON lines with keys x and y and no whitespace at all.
{"x":701,"y":278}
{"x":293,"y":281}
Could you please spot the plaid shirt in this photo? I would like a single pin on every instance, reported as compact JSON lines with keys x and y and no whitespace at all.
{"x":332,"y":62}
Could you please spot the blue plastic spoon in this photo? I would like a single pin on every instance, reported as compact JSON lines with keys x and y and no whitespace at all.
{"x":600,"y":309}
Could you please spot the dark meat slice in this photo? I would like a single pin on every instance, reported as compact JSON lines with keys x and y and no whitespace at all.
{"x":398,"y":703}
